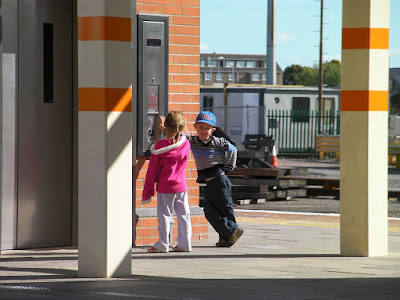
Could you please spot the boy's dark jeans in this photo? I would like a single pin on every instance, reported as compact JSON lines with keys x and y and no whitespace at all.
{"x":218,"y":206}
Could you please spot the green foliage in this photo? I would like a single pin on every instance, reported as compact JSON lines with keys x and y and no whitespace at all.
{"x":395,"y":103}
{"x":331,"y":73}
{"x":309,"y":76}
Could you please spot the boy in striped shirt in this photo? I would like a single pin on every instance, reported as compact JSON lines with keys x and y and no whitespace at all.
{"x":214,"y":157}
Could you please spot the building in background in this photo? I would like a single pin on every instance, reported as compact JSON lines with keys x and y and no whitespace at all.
{"x":218,"y":69}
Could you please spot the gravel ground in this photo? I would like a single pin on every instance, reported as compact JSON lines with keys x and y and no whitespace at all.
{"x":329,"y":169}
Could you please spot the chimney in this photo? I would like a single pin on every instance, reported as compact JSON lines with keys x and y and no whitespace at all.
{"x":271,"y":61}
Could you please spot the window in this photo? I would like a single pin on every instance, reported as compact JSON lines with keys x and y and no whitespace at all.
{"x":208,"y":102}
{"x":241,"y":64}
{"x":231,"y":77}
{"x":328,"y":110}
{"x":264,"y":77}
{"x":229,"y":63}
{"x":219,"y":76}
{"x":263,"y":64}
{"x":251,"y":63}
{"x":207,"y":76}
{"x":301,"y":109}
{"x":255,"y":77}
{"x":202,"y":63}
{"x":212,"y":63}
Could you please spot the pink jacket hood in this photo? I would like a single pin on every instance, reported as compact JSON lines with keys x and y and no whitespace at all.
{"x":164,"y":148}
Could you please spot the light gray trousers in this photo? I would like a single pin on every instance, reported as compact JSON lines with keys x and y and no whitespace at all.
{"x":165,"y":205}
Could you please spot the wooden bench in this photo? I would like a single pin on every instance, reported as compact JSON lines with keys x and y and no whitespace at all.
{"x":328,"y":143}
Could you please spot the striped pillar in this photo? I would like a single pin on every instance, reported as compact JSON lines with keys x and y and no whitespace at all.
{"x":105,"y":138}
{"x":364,"y":128}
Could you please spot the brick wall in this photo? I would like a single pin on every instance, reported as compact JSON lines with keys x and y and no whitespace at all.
{"x":184,"y":90}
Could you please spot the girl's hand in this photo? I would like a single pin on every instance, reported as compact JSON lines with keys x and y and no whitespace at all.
{"x":162,"y":121}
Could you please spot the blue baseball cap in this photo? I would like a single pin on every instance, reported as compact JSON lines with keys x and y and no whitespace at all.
{"x":207,"y":117}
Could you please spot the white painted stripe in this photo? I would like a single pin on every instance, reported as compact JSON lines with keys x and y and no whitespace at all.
{"x":104,"y":64}
{"x":114,"y":8}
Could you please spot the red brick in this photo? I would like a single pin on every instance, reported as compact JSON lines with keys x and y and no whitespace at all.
{"x":179,"y":20}
{"x":181,"y":97}
{"x":190,"y":30}
{"x":196,"y":21}
{"x":145,"y":1}
{"x":164,"y":2}
{"x":194,"y":201}
{"x":154,"y":232}
{"x":199,"y":229}
{"x":191,"y":11}
{"x":175,"y":88}
{"x":182,"y":79}
{"x":196,"y":3}
{"x":191,"y":107}
{"x":139,"y":242}
{"x":175,"y":30}
{"x":152,"y":8}
{"x":176,"y":69}
{"x":175,"y":106}
{"x":191,"y":50}
{"x":172,"y":10}
{"x":181,"y":39}
{"x":192,"y":88}
{"x":150,"y":222}
{"x":195,"y":192}
{"x":175,"y":49}
{"x":143,"y":232}
{"x":182,"y":59}
{"x":195,"y":98}
{"x":182,"y":2}
{"x":195,"y":40}
{"x":139,"y":8}
{"x":195,"y":79}
{"x":150,"y":241}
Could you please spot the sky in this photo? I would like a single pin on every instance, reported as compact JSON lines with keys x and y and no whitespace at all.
{"x":240,"y":26}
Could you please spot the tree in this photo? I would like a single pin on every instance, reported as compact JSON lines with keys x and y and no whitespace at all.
{"x":395,"y":103}
{"x":331,"y":73}
{"x":308,"y":76}
{"x":291,"y":73}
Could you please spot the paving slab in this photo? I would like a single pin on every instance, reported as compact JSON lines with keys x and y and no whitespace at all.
{"x":280,"y":256}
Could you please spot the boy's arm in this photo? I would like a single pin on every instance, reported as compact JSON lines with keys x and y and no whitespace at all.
{"x":230,"y":157}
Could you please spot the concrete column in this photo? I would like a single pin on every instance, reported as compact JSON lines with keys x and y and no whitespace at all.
{"x":364,"y":128}
{"x":105,"y":138}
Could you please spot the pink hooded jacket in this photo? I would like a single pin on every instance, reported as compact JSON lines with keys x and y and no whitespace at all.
{"x":167,"y":168}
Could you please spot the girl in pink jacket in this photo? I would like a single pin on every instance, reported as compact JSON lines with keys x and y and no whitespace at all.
{"x":167,"y":170}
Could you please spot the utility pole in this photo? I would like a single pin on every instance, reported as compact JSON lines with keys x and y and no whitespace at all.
{"x":321,"y":38}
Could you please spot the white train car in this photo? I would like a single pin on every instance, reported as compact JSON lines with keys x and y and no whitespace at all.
{"x":248,"y":109}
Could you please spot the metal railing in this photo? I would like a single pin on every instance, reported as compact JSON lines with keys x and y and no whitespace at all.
{"x":295,"y":131}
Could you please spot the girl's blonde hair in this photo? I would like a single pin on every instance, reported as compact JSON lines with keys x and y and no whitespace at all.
{"x":175,"y":123}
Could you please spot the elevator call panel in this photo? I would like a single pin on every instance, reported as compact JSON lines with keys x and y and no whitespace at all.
{"x":152,"y":79}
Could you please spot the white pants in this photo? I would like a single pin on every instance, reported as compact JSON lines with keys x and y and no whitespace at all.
{"x":180,"y":203}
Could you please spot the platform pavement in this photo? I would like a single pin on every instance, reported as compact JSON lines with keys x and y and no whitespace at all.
{"x":280,"y":256}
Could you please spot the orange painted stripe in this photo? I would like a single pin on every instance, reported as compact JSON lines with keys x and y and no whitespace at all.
{"x":104,"y":29}
{"x":365,"y":38}
{"x":364,"y":101}
{"x":105,"y":99}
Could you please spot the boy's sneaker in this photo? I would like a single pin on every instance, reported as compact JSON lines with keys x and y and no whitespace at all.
{"x":223,"y":243}
{"x":235,"y":236}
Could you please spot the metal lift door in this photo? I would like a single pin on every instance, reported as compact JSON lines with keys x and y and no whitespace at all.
{"x":45,"y":123}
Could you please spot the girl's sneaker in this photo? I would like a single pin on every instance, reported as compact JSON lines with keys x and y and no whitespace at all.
{"x":154,"y":250}
{"x":177,"y":249}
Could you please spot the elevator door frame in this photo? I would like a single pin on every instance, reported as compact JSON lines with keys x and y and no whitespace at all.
{"x":45,"y":128}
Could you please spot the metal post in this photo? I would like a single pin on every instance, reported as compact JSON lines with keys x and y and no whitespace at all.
{"x":321,"y":36}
